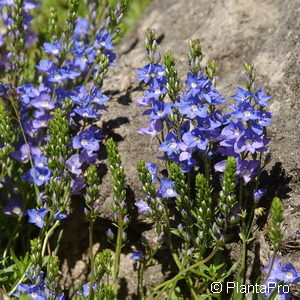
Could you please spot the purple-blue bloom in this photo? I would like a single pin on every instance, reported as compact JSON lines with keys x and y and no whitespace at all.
{"x":22,"y":155}
{"x":152,"y":168}
{"x":77,"y":184}
{"x":43,"y":101}
{"x":59,"y":216}
{"x":86,"y":290}
{"x":258,"y":194}
{"x":154,"y":127}
{"x":74,"y":164}
{"x":104,"y":40}
{"x":287,"y":272}
{"x":197,"y":84}
{"x":156,"y":90}
{"x":159,"y":110}
{"x":250,"y":141}
{"x":167,"y":189}
{"x":244,"y":111}
{"x":81,"y":29}
{"x":39,"y":161}
{"x":87,"y":111}
{"x":195,"y":138}
{"x":136,"y":255}
{"x":37,"y":216}
{"x":246,"y":169}
{"x":45,"y":65}
{"x":170,"y":144}
{"x":241,"y":95}
{"x":261,"y":99}
{"x":13,"y":207}
{"x":53,"y":48}
{"x":150,"y":72}
{"x":191,"y":106}
{"x":38,"y":175}
{"x":142,"y":206}
{"x":87,"y":139}
{"x":33,"y":290}
{"x":41,"y":121}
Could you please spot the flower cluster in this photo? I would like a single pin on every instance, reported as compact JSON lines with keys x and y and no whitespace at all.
{"x":196,"y":127}
{"x":9,"y":18}
{"x":69,"y":77}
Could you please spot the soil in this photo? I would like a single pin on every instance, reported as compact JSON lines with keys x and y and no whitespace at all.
{"x":233,"y":32}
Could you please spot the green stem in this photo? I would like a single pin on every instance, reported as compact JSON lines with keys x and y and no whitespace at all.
{"x":118,"y":251}
{"x":48,"y":235}
{"x":181,"y":274}
{"x":19,"y":281}
{"x":271,"y":266}
{"x":241,"y":193}
{"x":244,"y":260}
{"x":91,"y":228}
{"x":168,"y":230}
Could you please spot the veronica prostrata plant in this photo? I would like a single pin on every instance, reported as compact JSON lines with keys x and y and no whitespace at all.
{"x":213,"y":150}
{"x":51,"y":100}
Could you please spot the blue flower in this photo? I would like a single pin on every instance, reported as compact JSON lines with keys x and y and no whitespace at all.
{"x":97,"y":97}
{"x":33,"y":290}
{"x":152,"y":168}
{"x":104,"y":40}
{"x":212,"y":96}
{"x":142,"y":206}
{"x":258,"y":194}
{"x":156,"y":90}
{"x":154,"y":127}
{"x":197,"y":84}
{"x":150,"y":72}
{"x":37,"y":216}
{"x":53,"y":48}
{"x":261,"y":99}
{"x":22,"y":155}
{"x":77,"y":184}
{"x":88,"y":139}
{"x":159,"y":110}
{"x":41,"y":122}
{"x":57,"y":75}
{"x":167,"y":189}
{"x":244,"y":111}
{"x":13,"y":207}
{"x":263,"y":118}
{"x":45,"y":66}
{"x":171,"y":144}
{"x":195,"y":138}
{"x":136,"y":255}
{"x":250,"y":141}
{"x":241,"y":95}
{"x":59,"y":216}
{"x":40,"y":161}
{"x":38,"y":175}
{"x":208,"y":123}
{"x":74,"y":164}
{"x":247,"y":169}
{"x":233,"y":131}
{"x":43,"y":101}
{"x":192,"y":107}
{"x":81,"y":29}
{"x":87,"y":111}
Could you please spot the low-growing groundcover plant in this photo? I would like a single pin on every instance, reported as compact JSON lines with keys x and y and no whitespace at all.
{"x":208,"y":196}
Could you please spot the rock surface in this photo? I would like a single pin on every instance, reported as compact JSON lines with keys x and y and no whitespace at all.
{"x":233,"y":32}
